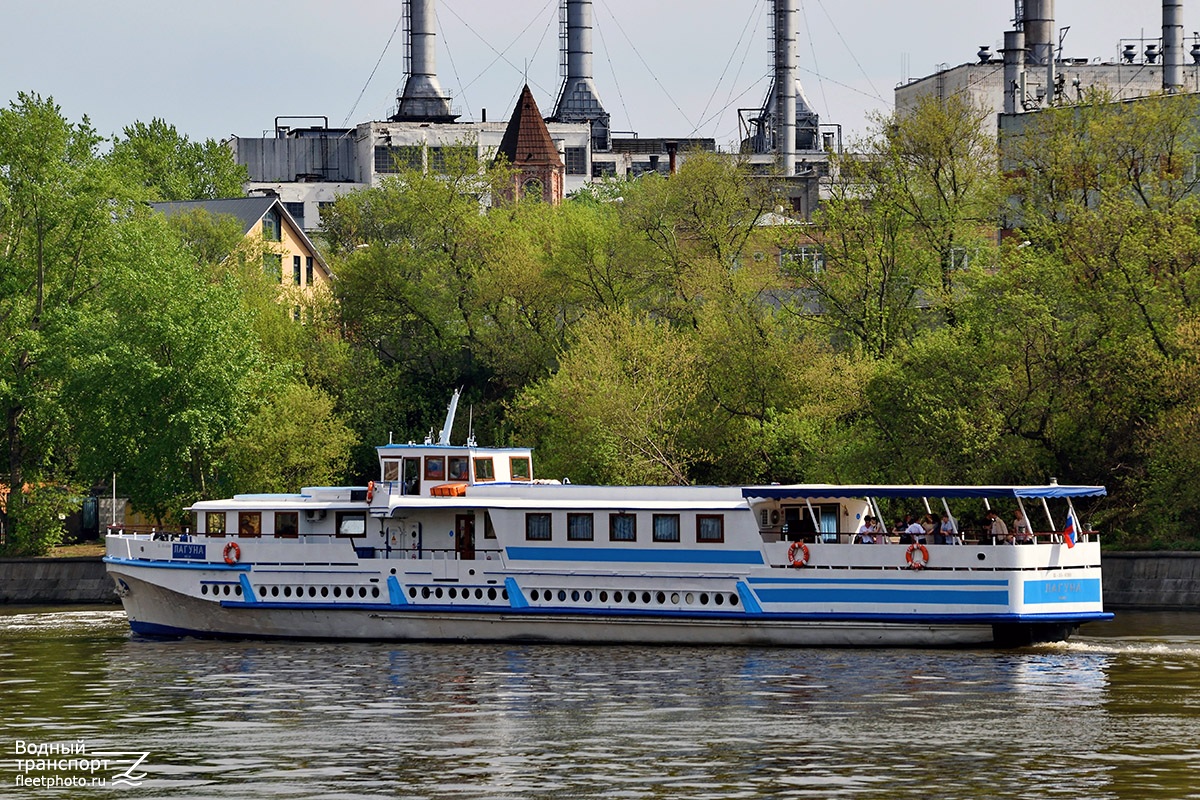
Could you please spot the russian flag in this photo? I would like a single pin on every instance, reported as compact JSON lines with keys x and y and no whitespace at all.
{"x":1069,"y":532}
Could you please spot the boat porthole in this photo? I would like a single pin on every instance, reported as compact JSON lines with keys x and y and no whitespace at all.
{"x":980,"y":556}
{"x":393,"y":570}
{"x":438,"y":592}
{"x":574,"y":596}
{"x":616,"y":597}
{"x":324,"y":591}
{"x":719,"y":599}
{"x":425,"y":592}
{"x":274,"y":591}
{"x":689,"y":598}
{"x":674,"y":598}
{"x":704,"y":598}
{"x":479,"y":594}
{"x":374,"y":591}
{"x":562,"y":595}
{"x":604,"y":597}
{"x":312,"y":591}
{"x":533,"y":596}
{"x":362,"y":591}
{"x":337,"y":591}
{"x":587,"y":596}
{"x":504,"y":593}
{"x":491,"y":594}
{"x":204,"y":588}
{"x":453,"y":594}
{"x":237,"y":590}
{"x":227,"y":590}
{"x":646,"y":598}
{"x":733,"y":599}
{"x":661,"y":597}
{"x":287,"y":591}
{"x":412,"y":592}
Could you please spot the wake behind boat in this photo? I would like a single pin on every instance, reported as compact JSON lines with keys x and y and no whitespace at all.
{"x":458,"y":543}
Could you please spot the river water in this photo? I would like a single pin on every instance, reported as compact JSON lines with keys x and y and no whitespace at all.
{"x":1115,"y":713}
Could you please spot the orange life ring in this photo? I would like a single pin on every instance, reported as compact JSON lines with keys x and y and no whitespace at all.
{"x":233,"y":553}
{"x":370,"y":490}
{"x":798,"y":554}
{"x":917,"y":563}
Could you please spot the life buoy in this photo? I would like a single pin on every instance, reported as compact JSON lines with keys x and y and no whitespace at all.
{"x":798,"y":554}
{"x":915,"y":562}
{"x":233,"y":553}
{"x":370,"y":490}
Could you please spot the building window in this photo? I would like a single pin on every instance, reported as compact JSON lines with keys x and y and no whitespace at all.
{"x":710,"y":528}
{"x":485,"y":470}
{"x":537,"y":527}
{"x":296,"y":313}
{"x":296,"y":270}
{"x":579,"y":527}
{"x":459,"y":466}
{"x":297,"y":212}
{"x":214,"y":523}
{"x":666,"y":527}
{"x":308,"y":270}
{"x":576,"y":160}
{"x":351,"y":523}
{"x":393,"y":160}
{"x":448,"y":158}
{"x":270,"y":226}
{"x":273,"y":266}
{"x":603,"y":169}
{"x":531,"y":189}
{"x":250,"y":523}
{"x":805,"y":260}
{"x":287,"y":524}
{"x":435,"y":468}
{"x":622,"y":528}
{"x":518,"y":467}
{"x":391,"y":469}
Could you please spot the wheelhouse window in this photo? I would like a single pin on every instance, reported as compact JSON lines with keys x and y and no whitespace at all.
{"x":391,"y":469}
{"x":351,"y":523}
{"x":489,"y":530}
{"x":537,"y":527}
{"x":666,"y":527}
{"x":710,"y":528}
{"x":459,"y":467}
{"x":435,"y":468}
{"x":519,"y":467}
{"x":579,"y":528}
{"x":485,"y":470}
{"x":622,"y":528}
{"x":287,"y":524}
{"x":214,"y":523}
{"x":250,"y":523}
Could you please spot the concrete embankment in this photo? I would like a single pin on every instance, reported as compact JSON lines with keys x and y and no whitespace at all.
{"x":54,"y":581}
{"x":1131,"y":580}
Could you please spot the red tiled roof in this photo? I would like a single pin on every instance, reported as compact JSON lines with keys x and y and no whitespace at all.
{"x":526,"y":139}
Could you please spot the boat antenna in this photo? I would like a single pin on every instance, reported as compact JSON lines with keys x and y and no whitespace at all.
{"x":445,"y":436}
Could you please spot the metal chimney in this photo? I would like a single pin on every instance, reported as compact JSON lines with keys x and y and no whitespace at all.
{"x":1172,"y":36}
{"x":1014,"y":71}
{"x":785,"y":84}
{"x":1039,"y":37}
{"x":578,"y":100}
{"x":422,"y":99}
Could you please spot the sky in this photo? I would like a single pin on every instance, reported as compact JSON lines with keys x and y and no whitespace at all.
{"x":672,"y":68}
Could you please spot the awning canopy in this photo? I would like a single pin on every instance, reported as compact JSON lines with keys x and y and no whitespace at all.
{"x":813,"y":491}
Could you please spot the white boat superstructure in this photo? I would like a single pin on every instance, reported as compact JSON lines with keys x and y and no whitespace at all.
{"x":463,"y":543}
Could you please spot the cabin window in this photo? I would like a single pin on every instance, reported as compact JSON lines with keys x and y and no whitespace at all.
{"x":249,"y":523}
{"x":214,"y":523}
{"x":391,"y":469}
{"x":489,"y":530}
{"x":519,"y":467}
{"x":287,"y":524}
{"x":459,"y":467}
{"x":351,"y":523}
{"x":666,"y":527}
{"x":579,"y":528}
{"x":485,"y":470}
{"x":537,"y":527}
{"x":710,"y":528}
{"x":622,"y":528}
{"x":435,"y":468}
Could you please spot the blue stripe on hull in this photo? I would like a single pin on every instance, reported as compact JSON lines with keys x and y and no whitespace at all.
{"x":139,"y":562}
{"x":811,"y":579}
{"x":633,"y":555}
{"x":916,"y":594}
{"x":1070,"y":590}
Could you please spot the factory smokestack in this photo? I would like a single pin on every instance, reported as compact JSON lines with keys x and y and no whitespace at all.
{"x":578,"y":100}
{"x":785,"y":84}
{"x":422,"y":99}
{"x":1172,"y":35}
{"x":1014,"y":71}
{"x":1038,"y":24}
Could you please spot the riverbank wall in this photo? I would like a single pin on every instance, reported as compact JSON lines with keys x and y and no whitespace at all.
{"x":1131,"y":580}
{"x":55,"y":581}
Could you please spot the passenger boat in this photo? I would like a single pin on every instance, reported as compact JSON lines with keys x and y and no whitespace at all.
{"x":455,"y":543}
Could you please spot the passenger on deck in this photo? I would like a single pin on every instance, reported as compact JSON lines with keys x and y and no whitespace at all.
{"x":932,"y":532}
{"x":900,"y":529}
{"x":866,"y":531}
{"x":1020,"y":529}
{"x":914,"y":533}
{"x":997,"y":529}
{"x":948,"y":532}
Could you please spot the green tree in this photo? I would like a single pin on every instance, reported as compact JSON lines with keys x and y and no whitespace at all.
{"x":170,"y":166}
